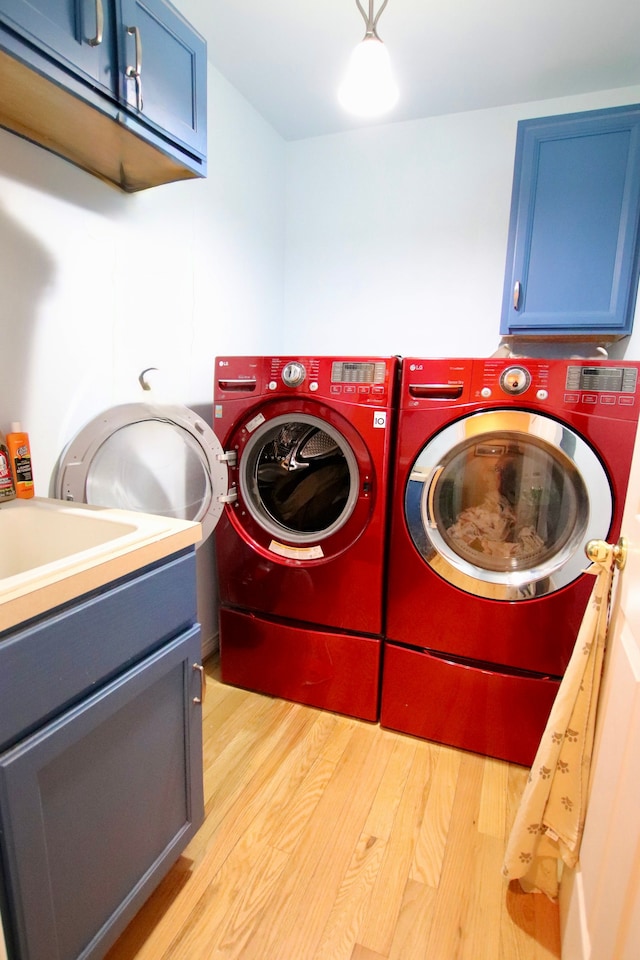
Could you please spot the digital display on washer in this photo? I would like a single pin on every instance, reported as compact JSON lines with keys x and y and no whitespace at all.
{"x":602,"y":379}
{"x":357,"y":371}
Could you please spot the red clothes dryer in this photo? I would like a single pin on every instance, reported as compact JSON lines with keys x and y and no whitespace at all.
{"x":505,"y":469}
{"x":301,"y":543}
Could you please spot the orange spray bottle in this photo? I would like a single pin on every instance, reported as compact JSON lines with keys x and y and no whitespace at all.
{"x":20,"y":454}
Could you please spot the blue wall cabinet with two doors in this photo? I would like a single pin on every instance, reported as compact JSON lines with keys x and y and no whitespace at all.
{"x":572,"y":257}
{"x":116,"y":86}
{"x":100,"y":760}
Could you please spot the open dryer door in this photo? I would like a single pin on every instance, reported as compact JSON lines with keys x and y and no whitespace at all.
{"x":159,"y":459}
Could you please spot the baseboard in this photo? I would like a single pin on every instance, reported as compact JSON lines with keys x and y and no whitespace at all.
{"x":574,"y":927}
{"x":210,"y":646}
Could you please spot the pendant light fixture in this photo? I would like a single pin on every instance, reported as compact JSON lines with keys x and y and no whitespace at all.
{"x":369,"y":88}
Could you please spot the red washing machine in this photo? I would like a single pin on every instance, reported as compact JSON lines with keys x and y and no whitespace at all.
{"x":301,"y":543}
{"x":505,"y":469}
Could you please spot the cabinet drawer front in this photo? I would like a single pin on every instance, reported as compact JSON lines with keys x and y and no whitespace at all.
{"x":50,"y":664}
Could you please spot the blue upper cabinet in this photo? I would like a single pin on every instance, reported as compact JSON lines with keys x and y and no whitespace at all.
{"x":572,"y":256}
{"x":118,"y":87}
{"x":163,"y":71}
{"x":78,"y":33}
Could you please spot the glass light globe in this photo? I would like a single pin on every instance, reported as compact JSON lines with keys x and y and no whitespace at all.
{"x":369,"y":88}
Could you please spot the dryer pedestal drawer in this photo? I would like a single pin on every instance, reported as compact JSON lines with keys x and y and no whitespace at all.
{"x":497,"y":714}
{"x":327,"y":669}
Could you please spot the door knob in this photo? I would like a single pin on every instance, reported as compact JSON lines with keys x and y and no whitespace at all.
{"x":599,"y":551}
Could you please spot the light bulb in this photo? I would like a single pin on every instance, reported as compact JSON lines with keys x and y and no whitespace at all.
{"x":369,"y":88}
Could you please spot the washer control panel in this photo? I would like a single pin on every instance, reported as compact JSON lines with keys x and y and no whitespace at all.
{"x":606,"y":388}
{"x":616,"y":379}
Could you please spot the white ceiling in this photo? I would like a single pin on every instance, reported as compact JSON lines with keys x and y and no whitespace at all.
{"x":287,"y":56}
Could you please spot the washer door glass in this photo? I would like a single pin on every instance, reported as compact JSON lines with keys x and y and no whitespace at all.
{"x":502,"y":503}
{"x":299,"y":478}
{"x":153,"y":466}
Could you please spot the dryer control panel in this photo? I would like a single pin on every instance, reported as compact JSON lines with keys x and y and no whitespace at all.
{"x":362,"y":380}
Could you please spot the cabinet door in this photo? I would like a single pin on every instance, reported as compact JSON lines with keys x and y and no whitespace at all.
{"x":75,"y":33}
{"x":96,"y":806}
{"x":573,"y":236}
{"x":163,"y":64}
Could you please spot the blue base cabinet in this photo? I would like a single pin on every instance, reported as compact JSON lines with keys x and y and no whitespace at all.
{"x":98,"y":800}
{"x":116,"y":86}
{"x":572,"y":256}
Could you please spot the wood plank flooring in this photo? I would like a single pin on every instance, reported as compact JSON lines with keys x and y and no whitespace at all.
{"x":327,"y":838}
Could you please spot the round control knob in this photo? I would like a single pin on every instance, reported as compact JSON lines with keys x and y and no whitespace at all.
{"x":293,"y":374}
{"x":515,"y":380}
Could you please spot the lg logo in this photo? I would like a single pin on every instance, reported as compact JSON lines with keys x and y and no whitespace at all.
{"x":379,"y":419}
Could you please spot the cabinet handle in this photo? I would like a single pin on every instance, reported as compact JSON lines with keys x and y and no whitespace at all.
{"x":97,"y":40}
{"x":516,"y":295}
{"x":203,"y":683}
{"x":135,"y":73}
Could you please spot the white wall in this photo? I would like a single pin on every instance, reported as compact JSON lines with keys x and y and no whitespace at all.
{"x":397,"y":235}
{"x":96,"y":285}
{"x":395,"y":243}
{"x":386,"y":240}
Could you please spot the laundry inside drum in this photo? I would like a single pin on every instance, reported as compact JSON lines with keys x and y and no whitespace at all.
{"x":508,"y":504}
{"x":303,"y":478}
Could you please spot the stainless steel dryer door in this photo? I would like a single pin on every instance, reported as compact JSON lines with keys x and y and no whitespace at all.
{"x":159,"y":459}
{"x":502,"y":503}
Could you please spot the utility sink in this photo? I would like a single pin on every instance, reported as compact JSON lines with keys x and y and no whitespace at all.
{"x":52,"y":551}
{"x":42,"y":533}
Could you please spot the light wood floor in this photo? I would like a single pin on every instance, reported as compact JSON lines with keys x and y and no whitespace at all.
{"x":328,"y":838}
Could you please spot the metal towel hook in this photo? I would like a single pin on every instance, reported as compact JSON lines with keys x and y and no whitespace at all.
{"x":143,"y":379}
{"x":599,"y":551}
